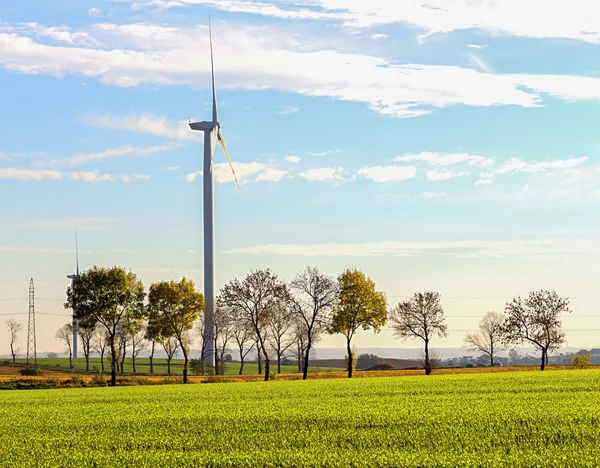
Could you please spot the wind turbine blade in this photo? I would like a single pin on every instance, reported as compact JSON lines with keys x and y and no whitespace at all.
{"x":213,"y":146}
{"x":222,"y":141}
{"x":212,"y":67}
{"x":77,"y":252}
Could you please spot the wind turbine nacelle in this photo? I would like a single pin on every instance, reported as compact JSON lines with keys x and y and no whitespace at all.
{"x":72,"y":277}
{"x":204,"y":126}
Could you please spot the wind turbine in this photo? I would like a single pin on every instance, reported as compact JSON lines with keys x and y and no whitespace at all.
{"x":72,"y":278}
{"x":212,"y":134}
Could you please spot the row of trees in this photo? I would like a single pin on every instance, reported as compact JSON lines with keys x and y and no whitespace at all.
{"x":263,"y":313}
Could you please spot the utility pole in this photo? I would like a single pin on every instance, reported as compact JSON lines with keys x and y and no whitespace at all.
{"x":31,"y":346}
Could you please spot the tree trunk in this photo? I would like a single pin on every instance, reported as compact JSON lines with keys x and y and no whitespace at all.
{"x":113,"y":361}
{"x":241,"y":364}
{"x":12,"y":351}
{"x":102,"y":359}
{"x":151,"y":359}
{"x":185,"y":364}
{"x":279,"y":363}
{"x":133,"y":360}
{"x":543,"y":366}
{"x":258,"y":358}
{"x":267,"y":368}
{"x":87,"y":361}
{"x":427,"y":363}
{"x":349,"y":358}
{"x":70,"y":360}
{"x":169,"y":365}
{"x":305,"y":363}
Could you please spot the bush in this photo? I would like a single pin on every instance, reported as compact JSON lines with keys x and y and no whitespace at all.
{"x":581,"y":361}
{"x":382,"y":366}
{"x":98,"y":380}
{"x":31,"y":371}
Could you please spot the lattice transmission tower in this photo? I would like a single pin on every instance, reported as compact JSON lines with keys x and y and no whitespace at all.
{"x":31,"y":346}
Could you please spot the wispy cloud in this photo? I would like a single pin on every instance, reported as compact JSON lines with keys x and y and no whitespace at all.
{"x":466,"y":248}
{"x":436,"y":175}
{"x":377,"y":37}
{"x":476,"y":46}
{"x":95,"y":12}
{"x":271,"y":175}
{"x":323,"y":174}
{"x":144,"y":124}
{"x":449,"y":159}
{"x":388,"y":173}
{"x":515,"y":165}
{"x":28,"y":174}
{"x":292,"y":159}
{"x":287,"y":110}
{"x":84,"y":158}
{"x":40,"y":174}
{"x":257,"y":171}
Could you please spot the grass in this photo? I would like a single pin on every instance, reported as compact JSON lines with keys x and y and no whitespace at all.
{"x":486,"y":419}
{"x":160,"y":366}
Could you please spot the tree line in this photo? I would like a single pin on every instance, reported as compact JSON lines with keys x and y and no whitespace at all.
{"x":261,"y":312}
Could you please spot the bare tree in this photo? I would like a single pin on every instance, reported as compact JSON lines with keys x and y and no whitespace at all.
{"x":170,"y":346}
{"x":100,"y":343}
{"x":199,"y":333}
{"x":86,"y":332}
{"x":14,"y":328}
{"x":536,"y":320}
{"x":255,"y":299}
{"x":420,"y":317}
{"x":121,"y":336}
{"x":138,"y":344}
{"x":65,"y":335}
{"x":152,"y":335}
{"x":280,"y":326}
{"x":243,"y":337}
{"x":488,"y":338}
{"x":314,"y":296}
{"x":224,"y":332}
{"x":259,"y":359}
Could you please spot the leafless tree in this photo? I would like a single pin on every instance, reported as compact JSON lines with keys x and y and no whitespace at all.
{"x":224,"y":332}
{"x":488,"y":338}
{"x":536,"y":320}
{"x":14,"y":328}
{"x":259,"y":359}
{"x":170,"y":346}
{"x":435,"y":359}
{"x":255,"y":298}
{"x":243,"y":337}
{"x":65,"y":335}
{"x":280,"y":326}
{"x":138,"y":344}
{"x":100,"y":343}
{"x":121,"y":336}
{"x":152,"y":335}
{"x":314,"y":296}
{"x":86,"y":333}
{"x":420,"y":317}
{"x":199,"y":333}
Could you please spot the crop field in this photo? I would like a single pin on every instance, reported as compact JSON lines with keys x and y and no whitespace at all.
{"x":495,"y":419}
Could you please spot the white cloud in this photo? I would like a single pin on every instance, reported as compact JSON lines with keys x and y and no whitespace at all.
{"x":322,"y":174}
{"x":28,"y":174}
{"x":485,"y":179}
{"x":476,"y":46}
{"x":144,"y":124}
{"x":171,"y":168}
{"x":534,"y":18}
{"x":9,"y":156}
{"x":436,"y":175}
{"x":388,"y":173}
{"x":92,"y":176}
{"x":319,"y":154}
{"x":480,"y":63}
{"x":292,"y":159}
{"x":95,"y":12}
{"x":377,"y":37}
{"x":99,"y":156}
{"x":439,"y":159}
{"x":193,"y":176}
{"x":287,"y":110}
{"x":57,"y":34}
{"x":470,"y":248}
{"x":72,"y":224}
{"x":515,"y":165}
{"x":271,"y":175}
{"x":137,"y":54}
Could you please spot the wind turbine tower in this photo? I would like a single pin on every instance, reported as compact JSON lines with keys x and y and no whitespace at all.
{"x":72,"y":278}
{"x":212,"y":134}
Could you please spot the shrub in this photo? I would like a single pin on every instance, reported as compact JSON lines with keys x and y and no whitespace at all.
{"x":31,"y":371}
{"x":98,"y":380}
{"x":382,"y":366}
{"x":581,"y":361}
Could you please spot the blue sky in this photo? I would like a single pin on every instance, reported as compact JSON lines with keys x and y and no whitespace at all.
{"x":444,"y":145}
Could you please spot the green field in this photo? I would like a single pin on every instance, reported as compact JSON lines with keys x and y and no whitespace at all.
{"x":507,"y":419}
{"x":160,"y":366}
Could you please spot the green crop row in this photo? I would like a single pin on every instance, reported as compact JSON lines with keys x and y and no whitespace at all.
{"x":508,"y":419}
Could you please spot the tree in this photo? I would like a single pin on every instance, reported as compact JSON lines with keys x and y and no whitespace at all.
{"x":152,"y":335}
{"x":359,"y":305}
{"x":107,"y":296}
{"x":255,"y":299}
{"x":14,"y":328}
{"x":224,"y":330}
{"x":122,"y":340}
{"x":138,"y":344}
{"x":420,"y":317}
{"x":173,"y":307}
{"x":100,"y":343}
{"x":314,"y":296}
{"x":280,"y":324}
{"x":536,"y":320}
{"x":243,"y":336}
{"x":86,"y":332}
{"x":488,"y":338}
{"x":65,"y":335}
{"x":170,"y":346}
